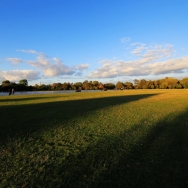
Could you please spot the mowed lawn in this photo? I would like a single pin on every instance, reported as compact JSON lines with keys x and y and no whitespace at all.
{"x":130,"y":138}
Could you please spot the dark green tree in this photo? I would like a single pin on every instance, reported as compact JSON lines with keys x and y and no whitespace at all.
{"x":6,"y":85}
{"x":109,"y":86}
{"x":23,"y":82}
{"x":66,"y":86}
{"x":128,"y":85}
{"x":56,"y":86}
{"x":78,"y":85}
{"x":5,"y":82}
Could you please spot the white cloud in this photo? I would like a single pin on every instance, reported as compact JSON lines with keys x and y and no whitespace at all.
{"x":148,"y":60}
{"x":139,"y":49}
{"x":169,"y":66}
{"x":16,"y":75}
{"x":44,"y":67}
{"x":147,"y":64}
{"x":153,"y":52}
{"x":51,"y":67}
{"x":32,"y":52}
{"x":14,"y":61}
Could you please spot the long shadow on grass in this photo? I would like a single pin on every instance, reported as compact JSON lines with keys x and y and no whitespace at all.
{"x":27,"y":99}
{"x":158,"y":159}
{"x":20,"y":120}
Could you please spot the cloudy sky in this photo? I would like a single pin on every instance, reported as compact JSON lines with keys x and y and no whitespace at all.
{"x":47,"y":41}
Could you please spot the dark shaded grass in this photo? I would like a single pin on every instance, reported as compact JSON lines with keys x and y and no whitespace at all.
{"x":18,"y":120}
{"x":25,"y":98}
{"x":157,"y":159}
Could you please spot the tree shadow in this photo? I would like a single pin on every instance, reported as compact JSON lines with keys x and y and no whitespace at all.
{"x":20,"y":120}
{"x":25,"y":98}
{"x":158,"y":159}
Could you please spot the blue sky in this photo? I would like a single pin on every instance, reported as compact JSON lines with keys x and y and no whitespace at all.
{"x":48,"y":41}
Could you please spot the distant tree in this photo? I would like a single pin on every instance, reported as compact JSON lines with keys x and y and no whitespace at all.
{"x":29,"y":88}
{"x":5,"y":82}
{"x":109,"y":86}
{"x":170,"y":83}
{"x":36,"y":87}
{"x":6,"y":85}
{"x":101,"y":86}
{"x":166,"y":83}
{"x":128,"y":85}
{"x":136,"y":84}
{"x":119,"y":85}
{"x":56,"y":86}
{"x":23,"y":82}
{"x":43,"y":87}
{"x":157,"y":84}
{"x":91,"y":85}
{"x":66,"y":86}
{"x":13,"y":84}
{"x":78,"y":85}
{"x":49,"y":87}
{"x":163,"y":84}
{"x":72,"y":86}
{"x":136,"y":81}
{"x":143,"y":84}
{"x":178,"y":85}
{"x":184,"y":82}
{"x":87,"y":85}
{"x":95,"y":85}
{"x":150,"y":84}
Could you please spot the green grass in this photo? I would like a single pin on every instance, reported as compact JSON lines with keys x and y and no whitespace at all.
{"x":134,"y":138}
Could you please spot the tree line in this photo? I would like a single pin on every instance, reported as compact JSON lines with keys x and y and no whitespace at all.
{"x":166,"y":83}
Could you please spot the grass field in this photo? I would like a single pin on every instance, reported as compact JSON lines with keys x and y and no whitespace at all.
{"x":133,"y":138}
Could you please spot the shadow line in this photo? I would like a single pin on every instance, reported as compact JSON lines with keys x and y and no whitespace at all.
{"x":20,"y":120}
{"x":157,"y":159}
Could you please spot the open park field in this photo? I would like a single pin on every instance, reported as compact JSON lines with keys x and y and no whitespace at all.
{"x":130,"y":138}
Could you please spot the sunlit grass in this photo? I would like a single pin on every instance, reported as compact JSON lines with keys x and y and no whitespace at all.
{"x":134,"y":138}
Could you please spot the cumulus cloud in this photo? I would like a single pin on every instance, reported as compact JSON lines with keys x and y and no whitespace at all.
{"x":169,"y":66}
{"x":148,"y":63}
{"x":16,"y":75}
{"x":150,"y":59}
{"x":153,"y":52}
{"x":44,"y":67}
{"x":51,"y":67}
